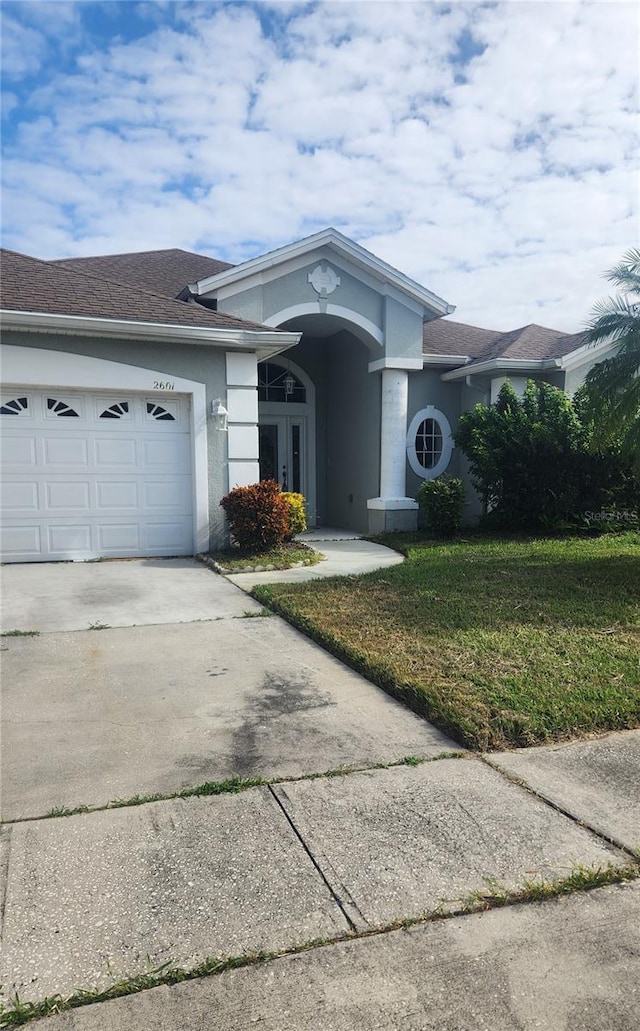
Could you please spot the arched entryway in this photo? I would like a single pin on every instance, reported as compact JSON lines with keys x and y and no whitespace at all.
{"x":337,"y":435}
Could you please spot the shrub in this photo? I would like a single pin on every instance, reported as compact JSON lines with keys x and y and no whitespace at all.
{"x":535,"y":461}
{"x":258,"y":515}
{"x":441,"y":502}
{"x":297,"y":513}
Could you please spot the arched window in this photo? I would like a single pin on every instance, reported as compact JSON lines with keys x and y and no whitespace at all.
{"x":429,"y":443}
{"x":276,"y":383}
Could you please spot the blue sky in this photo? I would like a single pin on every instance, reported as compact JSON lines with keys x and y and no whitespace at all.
{"x":489,"y":150}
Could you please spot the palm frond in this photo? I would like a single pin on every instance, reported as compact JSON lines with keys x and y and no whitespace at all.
{"x":626,"y":273}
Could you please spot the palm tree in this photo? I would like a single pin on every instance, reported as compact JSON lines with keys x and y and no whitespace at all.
{"x":613,"y":385}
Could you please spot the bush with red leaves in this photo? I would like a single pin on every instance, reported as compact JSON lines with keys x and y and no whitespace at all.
{"x":258,"y":515}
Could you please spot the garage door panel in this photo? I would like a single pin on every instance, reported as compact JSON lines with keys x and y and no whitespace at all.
{"x":116,"y":538}
{"x":117,"y":494}
{"x":158,"y":535}
{"x":163,"y":494}
{"x":167,"y":452}
{"x":69,"y":539}
{"x":79,"y":486}
{"x":65,"y":451}
{"x":19,"y":496}
{"x":118,"y":453}
{"x":70,"y":496}
{"x":17,"y":450}
{"x":19,"y":541}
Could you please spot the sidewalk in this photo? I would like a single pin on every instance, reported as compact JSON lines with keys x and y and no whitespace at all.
{"x":95,"y":898}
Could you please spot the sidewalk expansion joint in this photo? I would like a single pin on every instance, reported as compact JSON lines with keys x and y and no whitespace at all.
{"x":583,"y":879}
{"x":558,"y":808}
{"x":346,"y":904}
{"x":233,"y":785}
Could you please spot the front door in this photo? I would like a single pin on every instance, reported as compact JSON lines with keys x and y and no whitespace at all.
{"x":282,"y":449}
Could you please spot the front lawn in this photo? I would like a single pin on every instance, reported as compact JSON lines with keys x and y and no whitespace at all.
{"x":502,"y":643}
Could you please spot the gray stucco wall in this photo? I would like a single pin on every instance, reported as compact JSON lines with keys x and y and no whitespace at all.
{"x":427,"y":388}
{"x":203,"y":364}
{"x":353,"y":433}
{"x":402,"y":330}
{"x":292,"y":288}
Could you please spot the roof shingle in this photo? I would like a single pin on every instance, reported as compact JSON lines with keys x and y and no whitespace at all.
{"x":529,"y":343}
{"x":30,"y":285}
{"x":164,"y":272}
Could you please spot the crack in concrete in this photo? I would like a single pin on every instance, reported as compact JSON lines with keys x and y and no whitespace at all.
{"x":345,"y":902}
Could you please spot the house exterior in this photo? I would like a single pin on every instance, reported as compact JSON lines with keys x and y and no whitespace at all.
{"x":137,"y":389}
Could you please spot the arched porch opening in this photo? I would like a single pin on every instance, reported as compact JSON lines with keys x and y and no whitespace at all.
{"x":337,"y":426}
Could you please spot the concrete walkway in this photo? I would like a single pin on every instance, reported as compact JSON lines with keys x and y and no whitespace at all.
{"x":343,"y":556}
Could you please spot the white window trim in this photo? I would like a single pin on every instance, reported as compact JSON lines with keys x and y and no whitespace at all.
{"x":36,"y":367}
{"x":430,"y":412}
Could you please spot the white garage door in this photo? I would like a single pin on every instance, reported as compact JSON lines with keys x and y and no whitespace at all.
{"x":87,"y":475}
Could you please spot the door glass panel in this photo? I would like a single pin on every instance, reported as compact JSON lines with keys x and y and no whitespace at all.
{"x":295,"y":459}
{"x":268,"y":451}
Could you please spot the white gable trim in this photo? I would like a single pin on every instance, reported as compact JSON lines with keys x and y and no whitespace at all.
{"x":587,"y":353}
{"x":36,"y":367}
{"x":340,"y":244}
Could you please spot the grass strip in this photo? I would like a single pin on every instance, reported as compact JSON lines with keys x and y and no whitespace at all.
{"x":232,"y":785}
{"x":501,"y":643}
{"x":492,"y":896}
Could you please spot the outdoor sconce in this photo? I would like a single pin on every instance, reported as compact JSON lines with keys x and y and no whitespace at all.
{"x":219,"y":415}
{"x":289,"y":384}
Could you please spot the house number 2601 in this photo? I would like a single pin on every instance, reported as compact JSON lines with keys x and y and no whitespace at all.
{"x":163,"y":384}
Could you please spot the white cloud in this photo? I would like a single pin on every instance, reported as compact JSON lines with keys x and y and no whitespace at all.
{"x":506,"y":191}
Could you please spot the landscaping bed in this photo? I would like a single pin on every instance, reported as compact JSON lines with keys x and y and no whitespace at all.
{"x":502,"y":643}
{"x":284,"y":556}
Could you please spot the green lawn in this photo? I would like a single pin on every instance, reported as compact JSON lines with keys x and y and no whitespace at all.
{"x":501,"y":642}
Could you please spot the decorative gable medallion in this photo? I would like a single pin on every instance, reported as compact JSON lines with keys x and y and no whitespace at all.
{"x":324,"y":279}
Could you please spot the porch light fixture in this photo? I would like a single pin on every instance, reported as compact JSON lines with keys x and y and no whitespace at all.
{"x":289,"y":384}
{"x":219,"y":414}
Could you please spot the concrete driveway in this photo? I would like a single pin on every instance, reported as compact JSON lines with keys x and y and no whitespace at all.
{"x":186,"y":682}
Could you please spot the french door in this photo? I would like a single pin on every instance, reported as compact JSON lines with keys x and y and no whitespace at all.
{"x":282,"y":450}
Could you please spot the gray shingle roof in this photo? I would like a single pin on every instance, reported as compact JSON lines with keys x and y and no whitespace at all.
{"x":164,"y":272}
{"x":28,"y":284}
{"x":530,"y":343}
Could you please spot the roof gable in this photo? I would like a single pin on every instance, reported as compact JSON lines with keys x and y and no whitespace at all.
{"x":333,"y":241}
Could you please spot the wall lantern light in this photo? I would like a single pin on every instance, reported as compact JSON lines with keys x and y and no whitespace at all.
{"x":219,"y":414}
{"x":289,"y":384}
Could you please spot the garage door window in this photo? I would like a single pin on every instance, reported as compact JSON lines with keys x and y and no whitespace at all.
{"x":159,"y":413}
{"x":118,"y":410}
{"x":16,"y":406}
{"x":56,"y":407}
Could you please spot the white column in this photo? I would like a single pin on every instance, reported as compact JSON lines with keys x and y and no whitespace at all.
{"x":393,"y":433}
{"x":242,"y":402}
{"x":393,"y":510}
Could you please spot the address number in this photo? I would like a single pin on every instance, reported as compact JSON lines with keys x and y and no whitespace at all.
{"x":163,"y":384}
